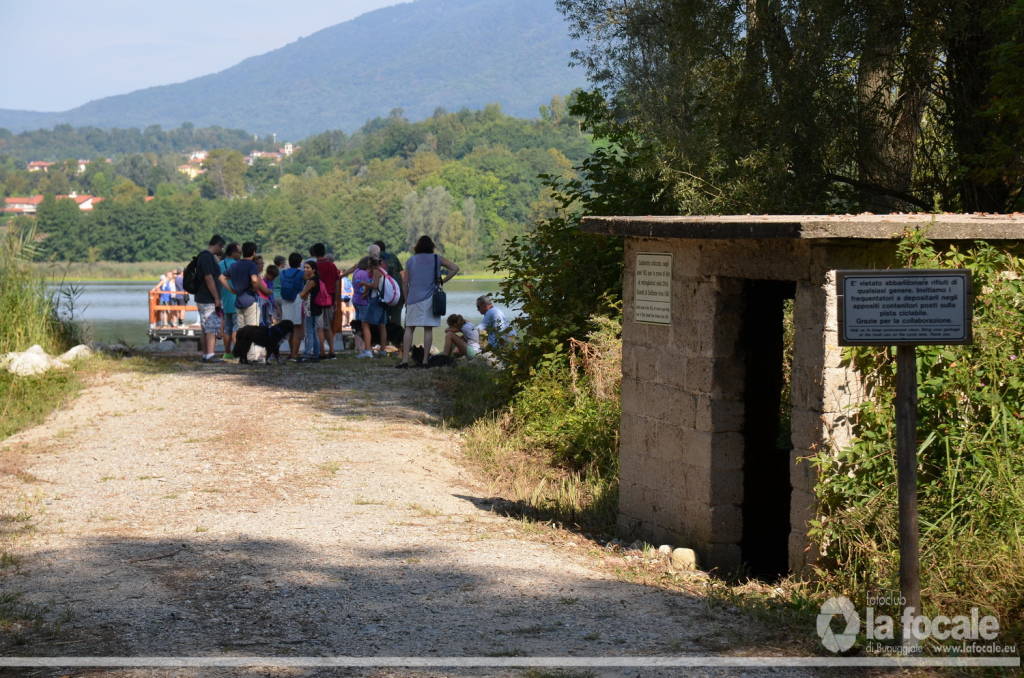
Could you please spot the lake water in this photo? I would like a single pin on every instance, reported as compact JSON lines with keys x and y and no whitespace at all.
{"x":119,"y":311}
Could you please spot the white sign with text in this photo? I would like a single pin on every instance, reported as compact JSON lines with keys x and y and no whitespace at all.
{"x":883,"y":308}
{"x":652,"y":292}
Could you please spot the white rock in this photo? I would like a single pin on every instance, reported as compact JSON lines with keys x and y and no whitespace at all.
{"x":665,"y":550}
{"x":31,"y":362}
{"x":684,"y":559}
{"x":76,"y":352}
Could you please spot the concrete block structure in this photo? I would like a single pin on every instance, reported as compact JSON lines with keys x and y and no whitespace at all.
{"x":712,"y":439}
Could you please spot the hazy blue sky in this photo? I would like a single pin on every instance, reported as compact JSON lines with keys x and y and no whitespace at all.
{"x":59,"y":54}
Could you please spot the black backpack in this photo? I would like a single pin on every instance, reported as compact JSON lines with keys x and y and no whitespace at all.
{"x":190,"y":277}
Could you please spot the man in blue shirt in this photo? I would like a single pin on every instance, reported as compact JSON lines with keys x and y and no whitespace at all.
{"x":232,"y":253}
{"x":498,"y":328}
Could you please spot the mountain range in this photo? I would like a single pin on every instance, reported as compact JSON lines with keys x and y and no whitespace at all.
{"x":417,"y":56}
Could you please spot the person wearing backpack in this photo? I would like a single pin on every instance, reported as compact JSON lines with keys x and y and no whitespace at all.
{"x":291,"y":284}
{"x":369,"y":308}
{"x":202,"y":275}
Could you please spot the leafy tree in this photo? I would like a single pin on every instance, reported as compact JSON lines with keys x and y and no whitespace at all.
{"x":426,"y":214}
{"x":561,"y":278}
{"x":225,"y":174}
{"x":811,"y":105}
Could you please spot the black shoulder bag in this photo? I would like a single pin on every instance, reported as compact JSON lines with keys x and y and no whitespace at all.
{"x":439,"y":303}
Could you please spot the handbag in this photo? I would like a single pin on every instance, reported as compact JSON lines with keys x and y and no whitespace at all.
{"x":439,"y":302}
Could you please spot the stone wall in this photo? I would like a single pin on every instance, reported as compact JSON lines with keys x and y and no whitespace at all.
{"x":682,"y":444}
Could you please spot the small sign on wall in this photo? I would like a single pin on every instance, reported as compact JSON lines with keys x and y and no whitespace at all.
{"x":913,"y":306}
{"x":652,"y":291}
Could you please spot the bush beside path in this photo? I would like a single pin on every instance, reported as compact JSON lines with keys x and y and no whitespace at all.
{"x":298,"y":510}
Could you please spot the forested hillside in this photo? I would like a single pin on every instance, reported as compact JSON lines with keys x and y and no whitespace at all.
{"x":65,"y":142}
{"x":469,"y":179}
{"x":415,"y":56}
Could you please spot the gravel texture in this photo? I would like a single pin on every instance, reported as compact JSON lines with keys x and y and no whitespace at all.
{"x":302,"y":510}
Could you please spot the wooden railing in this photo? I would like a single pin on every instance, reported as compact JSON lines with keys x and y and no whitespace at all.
{"x":155,"y":307}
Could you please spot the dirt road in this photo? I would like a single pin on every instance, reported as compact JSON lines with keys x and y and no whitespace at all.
{"x":300,"y":510}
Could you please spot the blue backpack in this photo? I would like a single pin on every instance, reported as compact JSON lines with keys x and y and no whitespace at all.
{"x":291,"y":283}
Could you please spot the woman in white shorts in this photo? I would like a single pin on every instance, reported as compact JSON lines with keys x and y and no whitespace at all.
{"x":420,"y":278}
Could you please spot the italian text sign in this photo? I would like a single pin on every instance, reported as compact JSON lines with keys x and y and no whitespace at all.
{"x":652,"y":294}
{"x":913,"y":306}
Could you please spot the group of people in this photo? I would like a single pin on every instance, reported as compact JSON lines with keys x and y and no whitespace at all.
{"x":171,"y":288}
{"x":312,"y":300}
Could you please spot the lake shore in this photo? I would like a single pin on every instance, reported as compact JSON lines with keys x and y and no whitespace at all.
{"x":150,"y":271}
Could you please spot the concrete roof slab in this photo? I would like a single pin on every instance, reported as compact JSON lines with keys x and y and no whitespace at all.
{"x":814,"y":227}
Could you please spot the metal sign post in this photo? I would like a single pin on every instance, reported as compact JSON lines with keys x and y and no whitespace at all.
{"x":905,"y":308}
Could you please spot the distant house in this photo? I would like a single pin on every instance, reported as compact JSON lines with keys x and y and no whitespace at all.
{"x":84,"y":202}
{"x":30,"y":204}
{"x":192,"y":171}
{"x":19,"y":205}
{"x":197,"y":156}
{"x":256,"y":155}
{"x":83,"y":165}
{"x":287,"y":149}
{"x":39,"y":166}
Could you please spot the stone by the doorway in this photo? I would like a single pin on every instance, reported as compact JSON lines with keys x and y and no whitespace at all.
{"x":684,"y":559}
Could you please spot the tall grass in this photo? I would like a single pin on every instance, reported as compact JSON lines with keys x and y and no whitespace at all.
{"x":550,"y":445}
{"x":29,"y":313}
{"x":970,"y":465}
{"x":28,"y":316}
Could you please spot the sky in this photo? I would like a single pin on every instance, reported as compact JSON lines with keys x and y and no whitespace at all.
{"x":59,"y":54}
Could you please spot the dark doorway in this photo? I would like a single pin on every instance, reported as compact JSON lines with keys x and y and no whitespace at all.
{"x":765,"y":337}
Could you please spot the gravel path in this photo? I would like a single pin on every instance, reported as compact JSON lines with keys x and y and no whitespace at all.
{"x":301,"y":510}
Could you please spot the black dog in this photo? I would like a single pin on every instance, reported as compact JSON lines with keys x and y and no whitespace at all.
{"x":269,"y":338}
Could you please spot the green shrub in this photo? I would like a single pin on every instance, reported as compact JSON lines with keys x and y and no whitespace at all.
{"x":970,"y":465}
{"x":29,"y":313}
{"x":554,"y":445}
{"x":29,"y":316}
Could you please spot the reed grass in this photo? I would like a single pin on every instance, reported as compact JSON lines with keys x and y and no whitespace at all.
{"x":29,"y":315}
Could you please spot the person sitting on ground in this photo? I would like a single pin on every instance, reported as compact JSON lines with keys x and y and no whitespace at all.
{"x":494,"y":323}
{"x":310,"y":311}
{"x":291,"y":284}
{"x":369,"y":308}
{"x":461,"y":337}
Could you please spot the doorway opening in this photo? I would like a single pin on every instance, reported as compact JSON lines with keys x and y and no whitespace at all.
{"x":766,"y":346}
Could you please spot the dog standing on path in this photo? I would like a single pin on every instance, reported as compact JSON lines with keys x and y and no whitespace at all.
{"x":269,"y":338}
